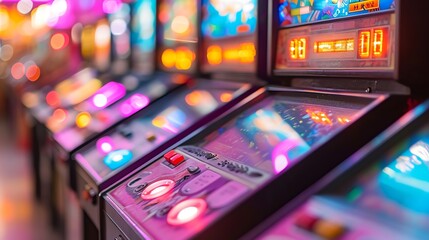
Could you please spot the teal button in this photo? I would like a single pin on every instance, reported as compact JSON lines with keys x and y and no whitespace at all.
{"x":118,"y":158}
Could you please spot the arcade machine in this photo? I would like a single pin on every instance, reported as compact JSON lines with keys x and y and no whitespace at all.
{"x":88,"y":102}
{"x":120,"y":150}
{"x":378,"y":193}
{"x":250,"y":161}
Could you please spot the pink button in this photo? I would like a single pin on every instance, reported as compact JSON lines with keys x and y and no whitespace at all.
{"x":226,"y":194}
{"x":200,"y":182}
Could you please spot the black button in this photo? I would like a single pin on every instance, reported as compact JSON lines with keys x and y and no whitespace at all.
{"x":193,"y":169}
{"x":140,"y":188}
{"x":255,"y":174}
{"x":210,"y":155}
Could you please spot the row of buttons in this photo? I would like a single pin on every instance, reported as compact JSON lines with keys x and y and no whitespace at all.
{"x":200,"y":153}
{"x":322,"y":227}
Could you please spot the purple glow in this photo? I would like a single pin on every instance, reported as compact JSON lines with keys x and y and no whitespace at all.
{"x":111,"y":6}
{"x":133,"y":104}
{"x":281,"y":154}
{"x":105,"y":145}
{"x":89,"y":11}
{"x":64,"y":12}
{"x":108,"y":94}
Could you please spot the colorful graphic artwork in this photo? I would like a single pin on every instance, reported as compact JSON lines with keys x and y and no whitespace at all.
{"x":226,"y":18}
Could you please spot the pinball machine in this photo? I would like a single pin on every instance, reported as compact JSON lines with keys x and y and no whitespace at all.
{"x":342,"y":71}
{"x":120,"y":150}
{"x":379,"y":192}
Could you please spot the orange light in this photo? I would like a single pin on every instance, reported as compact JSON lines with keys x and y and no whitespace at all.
{"x":18,"y":70}
{"x":33,"y":73}
{"x":168,"y":58}
{"x":364,"y":43}
{"x":53,"y":99}
{"x":245,"y":53}
{"x":214,"y":55}
{"x":319,"y":117}
{"x":377,"y":43}
{"x":194,"y":98}
{"x":184,"y":59}
{"x":4,"y":19}
{"x":341,"y":45}
{"x":298,"y":48}
{"x":293,"y":50}
{"x":302,"y":48}
{"x":59,"y":115}
{"x":181,"y":58}
{"x":159,"y":121}
{"x":30,"y":99}
{"x":343,"y":120}
{"x":226,"y":97}
{"x":59,"y":41}
{"x":83,"y":119}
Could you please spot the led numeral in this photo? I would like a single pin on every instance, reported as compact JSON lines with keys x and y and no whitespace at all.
{"x":372,"y":41}
{"x":298,"y":48}
{"x":364,"y":44}
{"x":378,"y":43}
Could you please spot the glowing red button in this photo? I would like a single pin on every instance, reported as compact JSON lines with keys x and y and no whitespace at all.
{"x":186,"y":211}
{"x":177,"y":159}
{"x":174,"y":158}
{"x":169,"y":155}
{"x":157,"y":189}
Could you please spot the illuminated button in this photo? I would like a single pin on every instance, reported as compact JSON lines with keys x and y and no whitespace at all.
{"x":118,"y":158}
{"x":328,"y":229}
{"x":186,"y":211}
{"x":306,"y":221}
{"x":177,"y":159}
{"x":157,"y":189}
{"x":169,"y":155}
{"x":174,"y":158}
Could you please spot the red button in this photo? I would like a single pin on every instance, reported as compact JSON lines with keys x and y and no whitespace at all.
{"x":176,"y":159}
{"x":169,"y":155}
{"x":306,"y":221}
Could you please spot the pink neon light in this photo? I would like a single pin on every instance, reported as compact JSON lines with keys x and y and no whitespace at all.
{"x":157,"y":189}
{"x":105,"y":144}
{"x":108,"y":94}
{"x":133,"y":104}
{"x":111,"y":6}
{"x":186,"y":211}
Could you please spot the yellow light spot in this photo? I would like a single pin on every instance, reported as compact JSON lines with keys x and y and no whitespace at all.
{"x":83,"y":119}
{"x":194,"y":98}
{"x":159,"y":121}
{"x":226,"y":97}
{"x":168,"y":58}
{"x":214,"y":55}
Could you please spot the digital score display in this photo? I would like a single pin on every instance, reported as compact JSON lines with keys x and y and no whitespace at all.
{"x":179,"y":31}
{"x":229,"y":31}
{"x":295,"y":12}
{"x":340,"y":44}
{"x":143,"y":27}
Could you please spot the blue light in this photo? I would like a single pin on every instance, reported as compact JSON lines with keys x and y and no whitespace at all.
{"x":226,"y":18}
{"x":143,"y":25}
{"x":118,"y":158}
{"x":406,"y":180}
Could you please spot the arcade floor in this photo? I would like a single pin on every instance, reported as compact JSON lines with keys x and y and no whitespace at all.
{"x":20,"y":216}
